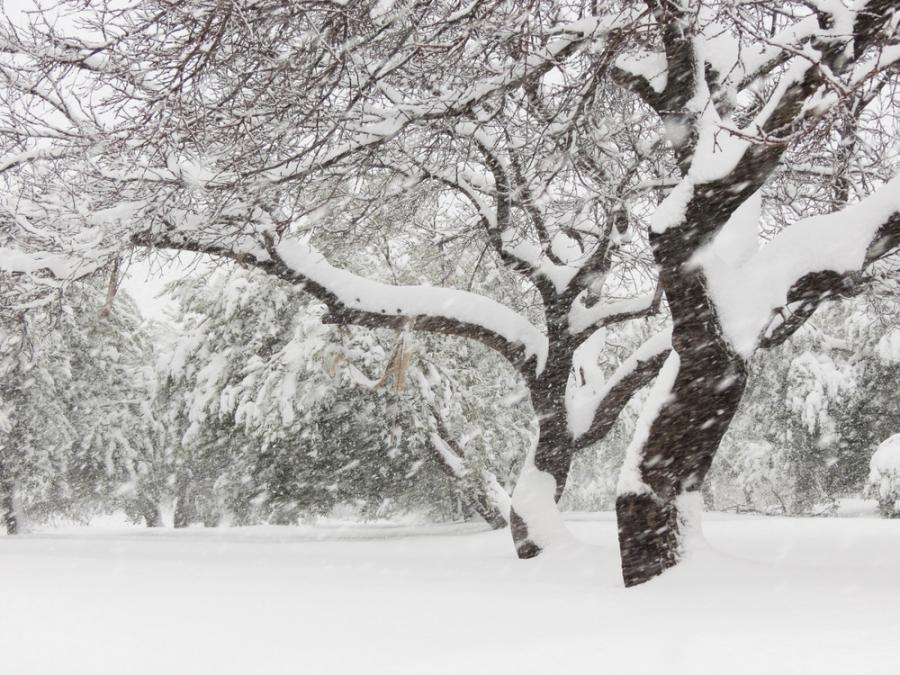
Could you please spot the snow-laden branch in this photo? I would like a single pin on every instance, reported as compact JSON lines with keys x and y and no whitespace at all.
{"x":667,"y":81}
{"x":430,"y":308}
{"x":593,"y":409}
{"x":357,"y":300}
{"x":817,"y":258}
{"x":729,"y":165}
{"x":13,"y":160}
{"x":582,"y":318}
{"x":385,"y":123}
{"x":15,"y":261}
{"x":751,"y":65}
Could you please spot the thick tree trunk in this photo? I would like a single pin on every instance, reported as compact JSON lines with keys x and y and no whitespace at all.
{"x":686,"y":432}
{"x":535,"y":520}
{"x":676,"y":457}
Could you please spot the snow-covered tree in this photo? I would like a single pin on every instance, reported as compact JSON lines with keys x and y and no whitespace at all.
{"x":814,"y":409}
{"x":74,"y":397}
{"x":728,"y":296}
{"x":884,"y":478}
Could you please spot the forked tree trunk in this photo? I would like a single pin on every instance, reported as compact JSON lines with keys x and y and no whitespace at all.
{"x":535,"y":518}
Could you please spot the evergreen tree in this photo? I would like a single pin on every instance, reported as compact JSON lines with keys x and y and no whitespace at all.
{"x":816,"y":408}
{"x":285,"y":417}
{"x":74,"y":401}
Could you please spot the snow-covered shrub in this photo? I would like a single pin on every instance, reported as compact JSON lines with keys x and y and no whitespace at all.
{"x":884,"y":478}
{"x":74,"y":385}
{"x":819,"y":403}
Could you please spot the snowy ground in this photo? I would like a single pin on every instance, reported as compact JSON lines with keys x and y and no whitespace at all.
{"x":766,"y":595}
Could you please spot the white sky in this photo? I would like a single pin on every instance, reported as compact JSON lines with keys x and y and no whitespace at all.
{"x":146,"y":279}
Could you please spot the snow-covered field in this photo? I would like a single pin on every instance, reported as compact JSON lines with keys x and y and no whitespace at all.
{"x":763,"y":595}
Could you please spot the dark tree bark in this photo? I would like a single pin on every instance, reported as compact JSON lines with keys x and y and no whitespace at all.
{"x":689,"y":427}
{"x":184,"y":511}
{"x":8,"y":506}
{"x":679,"y":451}
{"x":152,"y":515}
{"x":556,"y":447}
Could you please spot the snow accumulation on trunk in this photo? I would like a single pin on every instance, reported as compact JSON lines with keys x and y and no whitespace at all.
{"x":534,"y":502}
{"x":359,"y":293}
{"x":630,"y":480}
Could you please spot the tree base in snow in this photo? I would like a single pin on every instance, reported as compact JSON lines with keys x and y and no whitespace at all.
{"x":648,"y":537}
{"x":153,"y":518}
{"x":888,"y":509}
{"x":525,"y":548}
{"x":10,"y":519}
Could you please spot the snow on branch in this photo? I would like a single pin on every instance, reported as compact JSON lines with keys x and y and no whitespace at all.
{"x":666,"y":81}
{"x":357,"y":300}
{"x":817,"y":258}
{"x":729,"y":164}
{"x":491,"y":500}
{"x":436,"y":309}
{"x":592,"y":414}
{"x":582,"y":318}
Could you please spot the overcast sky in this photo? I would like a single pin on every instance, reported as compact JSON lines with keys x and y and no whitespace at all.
{"x":146,"y":279}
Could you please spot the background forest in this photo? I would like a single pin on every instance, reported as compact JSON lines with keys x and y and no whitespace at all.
{"x":244,"y":408}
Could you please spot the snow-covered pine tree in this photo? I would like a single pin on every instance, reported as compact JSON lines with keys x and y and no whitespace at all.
{"x":815,"y":409}
{"x":285,"y":417}
{"x":74,"y":398}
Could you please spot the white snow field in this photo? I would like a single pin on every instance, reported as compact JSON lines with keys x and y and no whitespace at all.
{"x":761,"y":595}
